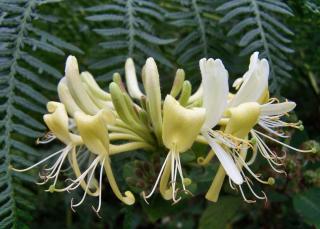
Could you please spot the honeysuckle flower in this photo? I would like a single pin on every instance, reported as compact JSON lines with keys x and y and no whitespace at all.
{"x":178,"y":135}
{"x":255,"y":88}
{"x":215,"y":95}
{"x":94,"y":125}
{"x":93,"y":130}
{"x":254,"y":59}
{"x":58,"y":123}
{"x":254,"y":82}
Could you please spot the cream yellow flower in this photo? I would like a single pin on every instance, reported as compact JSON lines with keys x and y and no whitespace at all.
{"x":178,"y":135}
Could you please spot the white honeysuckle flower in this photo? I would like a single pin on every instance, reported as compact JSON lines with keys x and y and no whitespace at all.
{"x":255,"y":82}
{"x":215,"y":95}
{"x":215,"y":90}
{"x":131,"y":80}
{"x":254,"y":58}
{"x":254,"y":88}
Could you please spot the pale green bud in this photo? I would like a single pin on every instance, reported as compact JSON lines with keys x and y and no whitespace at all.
{"x":177,"y":83}
{"x":153,"y":94}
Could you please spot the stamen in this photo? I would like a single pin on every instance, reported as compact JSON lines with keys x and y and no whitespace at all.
{"x":53,"y":169}
{"x":231,"y":184}
{"x":229,"y":140}
{"x":243,"y":163}
{"x":76,"y":183}
{"x":85,"y":192}
{"x":277,"y":133}
{"x":244,"y":197}
{"x":251,"y":189}
{"x":48,"y":137}
{"x":267,"y":152}
{"x":281,"y":143}
{"x":38,"y":163}
{"x":100,"y":188}
{"x":157,"y":181}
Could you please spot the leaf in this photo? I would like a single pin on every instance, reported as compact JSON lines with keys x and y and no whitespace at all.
{"x":23,"y":94}
{"x":131,"y":34}
{"x":307,"y":204}
{"x":153,"y":39}
{"x":159,"y":208}
{"x":259,"y":28}
{"x":219,"y":215}
{"x":105,"y":17}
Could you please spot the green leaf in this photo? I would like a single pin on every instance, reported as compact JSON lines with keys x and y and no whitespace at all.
{"x":105,"y":17}
{"x":307,"y":204}
{"x":154,"y":39}
{"x":159,"y":208}
{"x":219,"y":215}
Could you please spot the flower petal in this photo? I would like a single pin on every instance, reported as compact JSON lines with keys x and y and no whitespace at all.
{"x":226,"y":161}
{"x":197,"y":95}
{"x":57,"y":122}
{"x":181,"y":126}
{"x":76,"y":87}
{"x":153,"y":92}
{"x":215,"y":90}
{"x":254,"y":84}
{"x":242,"y":119}
{"x":94,"y":131}
{"x":131,"y":80}
{"x":277,"y":109}
{"x":254,"y":58}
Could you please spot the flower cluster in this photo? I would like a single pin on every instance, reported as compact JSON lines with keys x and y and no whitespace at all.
{"x":95,"y":124}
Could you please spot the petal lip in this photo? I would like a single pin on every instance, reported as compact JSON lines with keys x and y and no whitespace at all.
{"x":226,"y":161}
{"x":131,"y":79}
{"x":254,"y":85}
{"x":215,"y":90}
{"x":277,"y":109}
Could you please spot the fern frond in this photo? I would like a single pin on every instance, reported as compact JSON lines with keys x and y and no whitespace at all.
{"x":258,"y":24}
{"x":23,"y":93}
{"x":196,"y":19}
{"x":127,"y":30}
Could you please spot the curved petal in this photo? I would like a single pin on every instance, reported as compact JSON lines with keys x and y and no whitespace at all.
{"x":66,"y":97}
{"x":254,"y":58}
{"x":131,"y":80}
{"x":153,"y":92}
{"x":242,"y":119}
{"x":254,"y":84}
{"x":94,"y":131}
{"x":277,"y":109}
{"x":76,"y":87}
{"x":180,"y":126}
{"x":215,"y":90}
{"x":197,"y":95}
{"x":226,"y":161}
{"x":57,"y":122}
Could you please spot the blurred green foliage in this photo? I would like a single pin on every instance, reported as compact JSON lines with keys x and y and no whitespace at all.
{"x":177,"y":34}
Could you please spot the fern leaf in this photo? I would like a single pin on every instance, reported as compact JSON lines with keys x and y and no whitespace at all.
{"x":23,"y":94}
{"x":130,"y":33}
{"x":196,"y":19}
{"x":260,"y":28}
